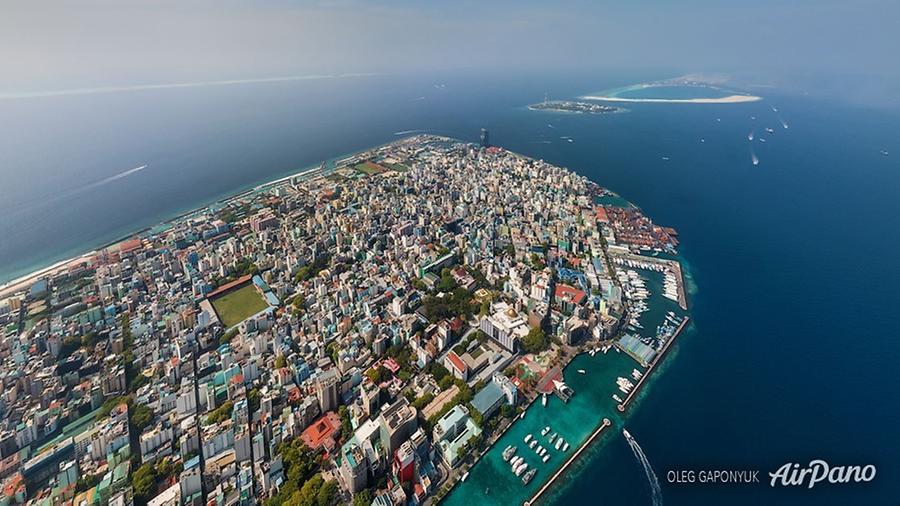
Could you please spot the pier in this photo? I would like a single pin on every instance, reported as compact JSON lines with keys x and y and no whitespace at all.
{"x":662,"y":353}
{"x":603,"y":425}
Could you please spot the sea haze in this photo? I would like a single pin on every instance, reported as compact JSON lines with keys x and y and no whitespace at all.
{"x":793,"y":350}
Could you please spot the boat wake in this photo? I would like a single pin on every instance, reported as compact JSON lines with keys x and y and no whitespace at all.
{"x":107,"y":180}
{"x":80,"y":189}
{"x":655,"y":490}
{"x":407,"y":132}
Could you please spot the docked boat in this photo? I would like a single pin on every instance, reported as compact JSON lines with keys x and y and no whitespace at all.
{"x":544,"y":400}
{"x":545,"y":430}
{"x":508,"y":453}
{"x":636,"y":374}
{"x":617,"y":398}
{"x":552,"y":437}
{"x":559,"y":443}
{"x":464,"y":476}
{"x":565,"y":447}
{"x":527,"y":438}
{"x":521,"y":468}
{"x":539,"y":449}
{"x":532,"y":444}
{"x":528,"y":476}
{"x":546,"y":458}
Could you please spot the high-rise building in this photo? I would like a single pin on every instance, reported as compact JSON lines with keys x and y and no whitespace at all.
{"x":485,"y":141}
{"x":398,"y":422}
{"x":328,"y":390}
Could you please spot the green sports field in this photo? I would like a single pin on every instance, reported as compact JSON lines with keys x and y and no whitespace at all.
{"x":236,"y":306}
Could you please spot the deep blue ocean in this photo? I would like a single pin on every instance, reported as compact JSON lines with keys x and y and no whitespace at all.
{"x":794,"y":260}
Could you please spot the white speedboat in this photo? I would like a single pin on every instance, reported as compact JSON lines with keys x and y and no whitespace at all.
{"x":528,"y":438}
{"x":544,"y":400}
{"x":545,"y":430}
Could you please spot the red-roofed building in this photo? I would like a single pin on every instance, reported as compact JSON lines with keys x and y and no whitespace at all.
{"x":601,"y":215}
{"x":130,"y":245}
{"x":391,"y":365}
{"x":457,"y":367}
{"x":320,"y":433}
{"x":568,"y":296}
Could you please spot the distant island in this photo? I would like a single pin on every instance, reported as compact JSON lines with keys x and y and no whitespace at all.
{"x":580,"y":107}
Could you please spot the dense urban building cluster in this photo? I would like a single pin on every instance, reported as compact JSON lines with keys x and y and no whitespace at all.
{"x":349,"y":335}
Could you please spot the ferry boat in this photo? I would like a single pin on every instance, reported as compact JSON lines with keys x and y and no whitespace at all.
{"x":527,"y":438}
{"x":528,"y":476}
{"x":545,"y":430}
{"x":508,"y":453}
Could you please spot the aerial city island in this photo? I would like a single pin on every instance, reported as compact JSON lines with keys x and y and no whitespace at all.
{"x":367,"y":332}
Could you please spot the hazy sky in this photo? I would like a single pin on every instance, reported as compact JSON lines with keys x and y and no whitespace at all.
{"x":60,"y":44}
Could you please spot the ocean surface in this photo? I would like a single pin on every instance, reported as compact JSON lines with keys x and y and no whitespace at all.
{"x":793,"y":261}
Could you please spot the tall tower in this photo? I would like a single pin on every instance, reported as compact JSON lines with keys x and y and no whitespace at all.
{"x":484,"y":138}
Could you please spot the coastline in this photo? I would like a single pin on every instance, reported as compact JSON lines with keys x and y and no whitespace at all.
{"x":21,"y":282}
{"x":731,"y":99}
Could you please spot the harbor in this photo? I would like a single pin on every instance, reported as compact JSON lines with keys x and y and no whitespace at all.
{"x":603,"y":425}
{"x":604,"y":381}
{"x":578,"y":422}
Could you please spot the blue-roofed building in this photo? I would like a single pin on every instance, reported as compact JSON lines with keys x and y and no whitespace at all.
{"x":494,"y":394}
{"x":38,"y":289}
{"x":488,"y":399}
